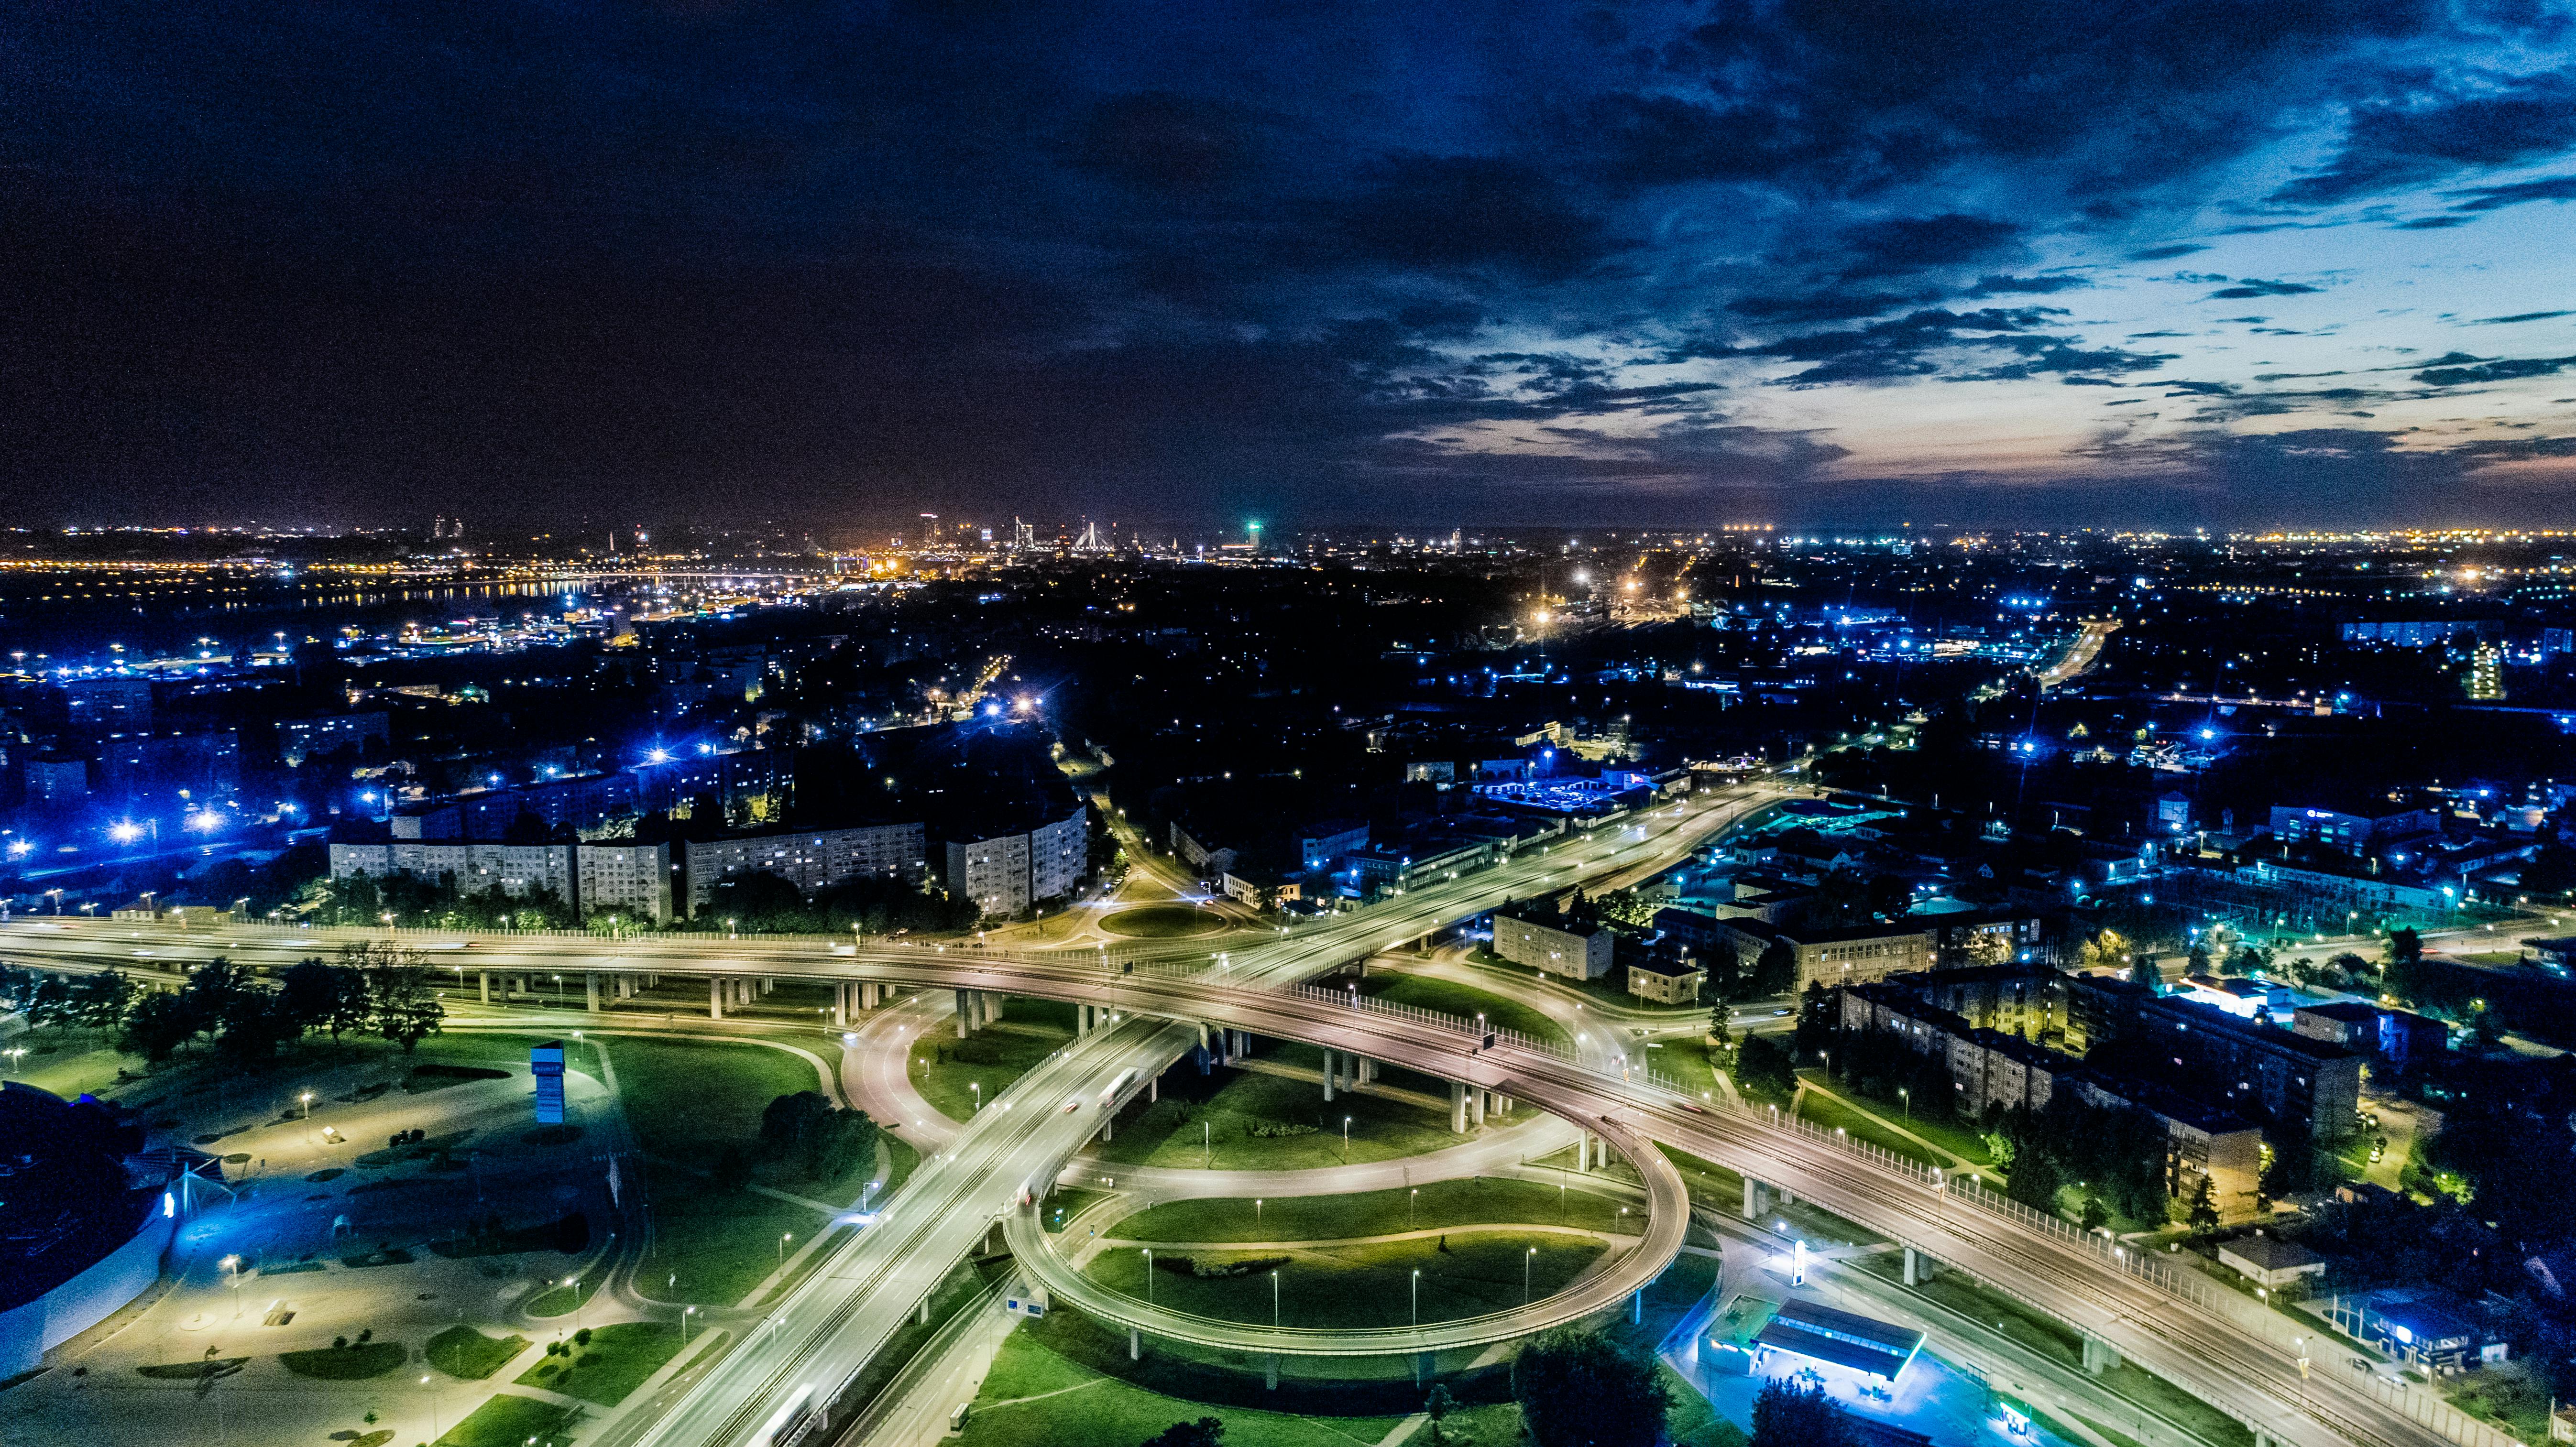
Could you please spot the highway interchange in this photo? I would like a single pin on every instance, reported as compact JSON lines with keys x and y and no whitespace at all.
{"x":819,"y":1336}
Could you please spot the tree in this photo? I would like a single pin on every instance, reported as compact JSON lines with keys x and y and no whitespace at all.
{"x":1764,"y":1070}
{"x":733,"y":1168}
{"x":1580,"y":1389}
{"x":252,"y":1026}
{"x":99,"y":1001}
{"x":309,"y":993}
{"x":2108,"y":950}
{"x":1437,"y":1406}
{"x":1788,"y":1413}
{"x":157,"y":1026}
{"x":1205,"y":1432}
{"x":401,"y":1005}
{"x":1775,"y":972}
{"x":2203,"y":1215}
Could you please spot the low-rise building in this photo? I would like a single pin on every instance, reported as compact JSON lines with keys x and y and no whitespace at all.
{"x":1546,"y":940}
{"x":2351,"y":832}
{"x":1857,"y":955}
{"x":2269,"y":1261}
{"x":1664,"y":979}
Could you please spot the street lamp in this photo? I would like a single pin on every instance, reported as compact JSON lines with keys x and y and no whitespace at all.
{"x":1526,"y":1258}
{"x":1906,"y":1096}
{"x":685,"y":1313}
{"x":574,"y":1282}
{"x":783,"y":1238}
{"x":307,"y":1098}
{"x":1274,"y":1301}
{"x":1346,"y":1140}
{"x":977,"y":1086}
{"x":1149,"y":1276}
{"x":432,"y":1393}
{"x":1256,"y":1213}
{"x":1411,"y":1197}
{"x":232,"y":1264}
{"x":1417,"y":1297}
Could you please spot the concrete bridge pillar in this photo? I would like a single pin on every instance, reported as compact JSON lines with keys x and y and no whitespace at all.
{"x":965,"y":1011}
{"x":590,"y":991}
{"x":1136,"y":1347}
{"x":1457,"y":1107}
{"x":484,"y":978}
{"x":715,"y":997}
{"x":1913,"y":1267}
{"x":1421,"y":1368}
{"x":871,"y":994}
{"x":1082,"y":1024}
{"x":1331,"y":1070}
{"x":2099,"y":1356}
{"x":1476,"y":1105}
{"x":840,"y":1005}
{"x":768,"y":983}
{"x":923,"y":1315}
{"x":1153,"y":1090}
{"x":1270,"y":1372}
{"x":1753,"y":1202}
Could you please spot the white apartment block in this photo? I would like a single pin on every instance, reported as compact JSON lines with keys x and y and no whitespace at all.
{"x":629,"y":879}
{"x":473,"y":866}
{"x":812,"y":859}
{"x":1008,"y":873}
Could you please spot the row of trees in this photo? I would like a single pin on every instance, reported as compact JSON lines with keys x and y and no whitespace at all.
{"x":371,"y":988}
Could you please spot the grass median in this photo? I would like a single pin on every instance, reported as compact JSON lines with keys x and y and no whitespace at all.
{"x":1477,"y":1200}
{"x":1249,"y":1121}
{"x":1362,"y":1285}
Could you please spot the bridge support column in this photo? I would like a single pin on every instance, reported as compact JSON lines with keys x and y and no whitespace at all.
{"x":715,"y":997}
{"x":1135,"y":1344}
{"x":1107,"y":1122}
{"x":1913,"y":1268}
{"x":840,"y":1005}
{"x":590,"y":991}
{"x":484,"y":978}
{"x":2099,"y":1356}
{"x":1637,"y":1308}
{"x":1153,"y":1090}
{"x":871,"y":994}
{"x":1270,"y":1372}
{"x":1476,"y":1104}
{"x":1421,"y":1368}
{"x":1752,"y":1198}
{"x":963,"y":1009}
{"x":1332,"y":1069}
{"x":768,"y":983}
{"x":923,"y":1315}
{"x":1457,"y":1107}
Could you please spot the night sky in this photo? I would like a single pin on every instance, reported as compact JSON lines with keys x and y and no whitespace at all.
{"x":309,"y":261}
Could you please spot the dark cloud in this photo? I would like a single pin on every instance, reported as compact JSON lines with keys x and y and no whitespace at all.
{"x":2406,"y":143}
{"x":2518,"y":193}
{"x":2518,"y":317}
{"x":1917,"y":243}
{"x":333,"y":259}
{"x":2025,"y":285}
{"x":1466,"y":211}
{"x":2498,"y":371}
{"x":2252,"y":287}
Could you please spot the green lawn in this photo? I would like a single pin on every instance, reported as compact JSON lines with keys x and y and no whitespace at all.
{"x":1596,"y":992}
{"x":1834,"y":1115}
{"x":1077,"y":1407}
{"x":1067,"y":1202}
{"x":720,"y":1243}
{"x":946,"y":1069}
{"x":1684,"y":1059}
{"x":346,"y":1364}
{"x":1462,"y":1000}
{"x":469,"y":1355}
{"x":1469,"y":1202}
{"x":1163,"y":922}
{"x":1222,"y":1110}
{"x":508,"y":1421}
{"x":1367,"y":1285}
{"x":615,"y":1362}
